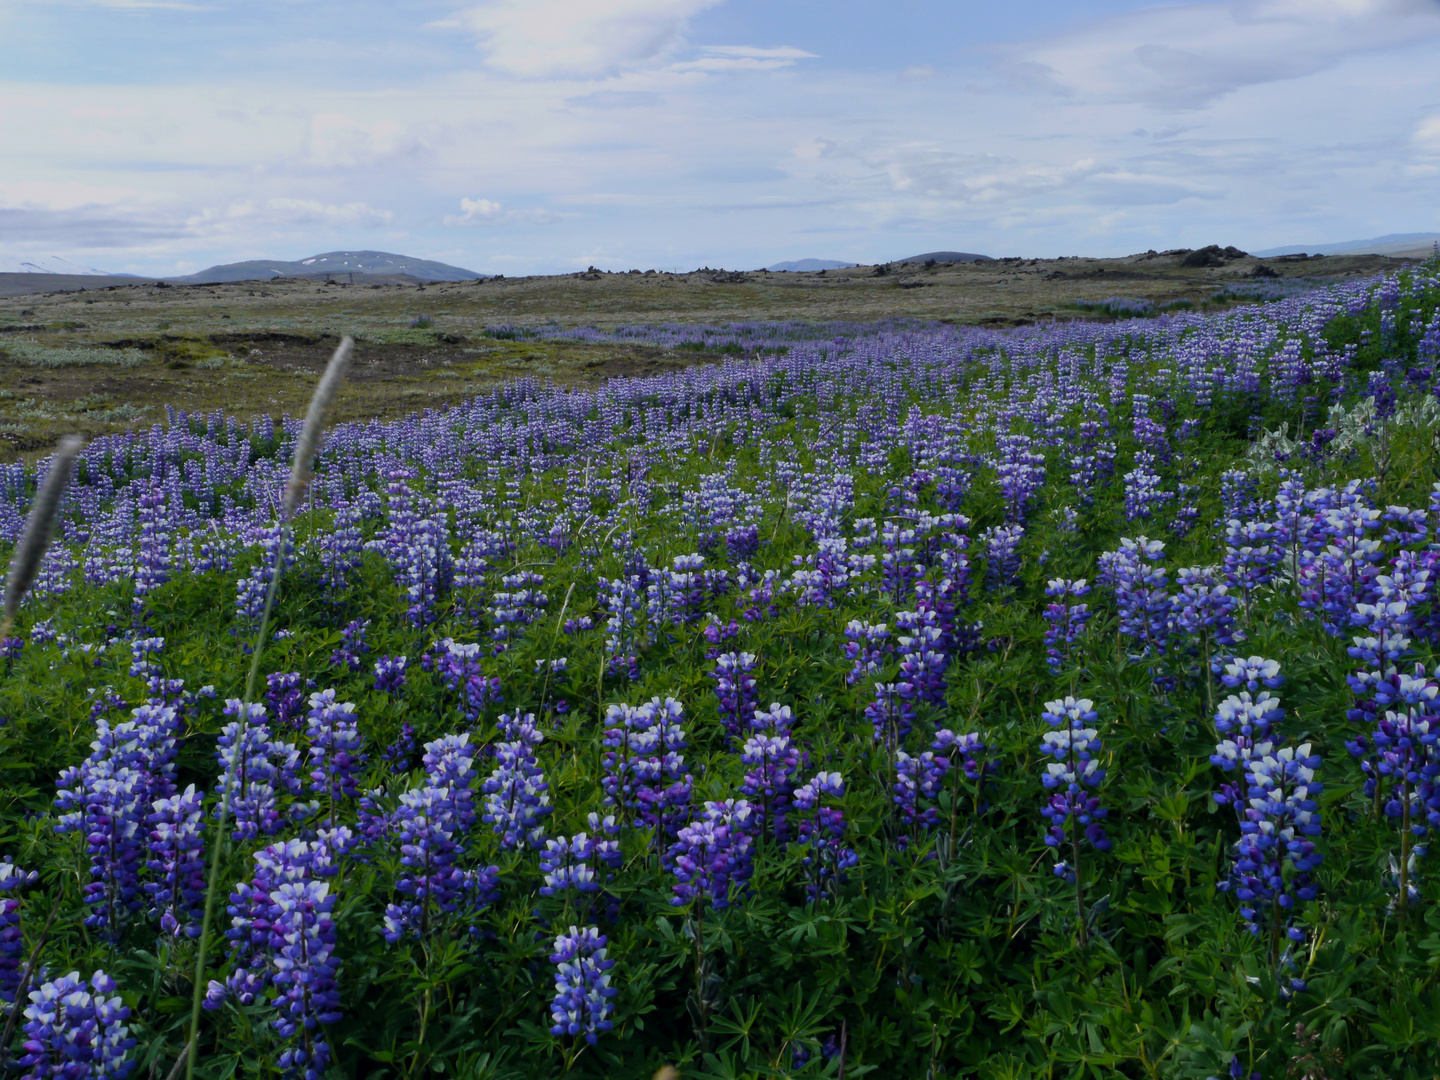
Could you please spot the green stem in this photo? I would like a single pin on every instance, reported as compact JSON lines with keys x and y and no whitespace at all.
{"x":192,"y":1044}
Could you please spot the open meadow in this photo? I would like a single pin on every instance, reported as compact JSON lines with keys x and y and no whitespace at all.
{"x":111,"y":358}
{"x":950,"y":671}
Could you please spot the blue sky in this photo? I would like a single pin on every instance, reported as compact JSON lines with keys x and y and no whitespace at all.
{"x":515,"y":136}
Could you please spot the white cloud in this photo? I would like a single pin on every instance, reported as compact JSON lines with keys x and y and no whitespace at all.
{"x":336,"y":140}
{"x":488,"y":212}
{"x":1427,"y":134}
{"x":304,"y":211}
{"x":1183,"y":56}
{"x":576,"y":38}
{"x":743,"y":58}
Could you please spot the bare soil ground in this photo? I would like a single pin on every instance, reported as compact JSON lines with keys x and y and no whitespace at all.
{"x":255,"y":347}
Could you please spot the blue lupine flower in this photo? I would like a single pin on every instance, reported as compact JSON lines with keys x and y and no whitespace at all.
{"x":12,"y":941}
{"x":517,"y":796}
{"x":337,"y":753}
{"x":711,"y":857}
{"x":1067,"y":621}
{"x":734,"y":677}
{"x":77,"y":1033}
{"x":177,"y":858}
{"x":1074,"y":748}
{"x":820,"y":832}
{"x":583,"y":994}
{"x":565,"y":865}
{"x":389,"y":674}
{"x":257,"y":772}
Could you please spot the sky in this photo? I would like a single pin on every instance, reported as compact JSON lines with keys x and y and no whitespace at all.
{"x":541,"y":136}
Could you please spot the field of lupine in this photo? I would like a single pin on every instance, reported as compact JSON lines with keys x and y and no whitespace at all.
{"x":918,"y":701}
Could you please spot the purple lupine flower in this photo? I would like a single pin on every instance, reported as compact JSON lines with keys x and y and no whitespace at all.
{"x":969,"y":756}
{"x":1091,"y":459}
{"x":459,"y":668}
{"x":251,"y":910}
{"x":920,"y":644}
{"x":1144,"y":496}
{"x":152,"y":559}
{"x":337,"y":755}
{"x":177,"y":859}
{"x":644,"y":769}
{"x":1021,"y":472}
{"x":256,"y":772}
{"x":891,"y":714}
{"x":252,"y":589}
{"x":770,"y":781}
{"x":12,"y":940}
{"x":517,"y":796}
{"x":821,"y":832}
{"x":304,"y":970}
{"x":621,"y":598}
{"x":426,"y":826}
{"x":677,"y":597}
{"x":353,"y":645}
{"x":1067,"y":621}
{"x":1002,"y":555}
{"x":1239,"y":496}
{"x":285,"y":694}
{"x":1075,"y":747}
{"x":142,"y":654}
{"x":916,"y":778}
{"x":390,"y":674}
{"x":776,"y":720}
{"x":431,"y":824}
{"x":1244,"y":725}
{"x":1204,"y":608}
{"x":582,"y":1004}
{"x":1407,"y":759}
{"x":107,"y":797}
{"x":1252,"y":673}
{"x":450,"y":764}
{"x":716,"y":633}
{"x":898,"y":571}
{"x":401,"y":752}
{"x":712,"y":856}
{"x":341,"y":550}
{"x":607,"y":851}
{"x":1280,"y":817}
{"x":565,"y":865}
{"x":518,"y":604}
{"x":1140,"y":592}
{"x":1253,"y":553}
{"x":76,"y":1032}
{"x":735,"y":688}
{"x":742,"y":542}
{"x":10,"y":649}
{"x":417,"y":549}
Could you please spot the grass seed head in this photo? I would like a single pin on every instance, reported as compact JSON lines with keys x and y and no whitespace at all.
{"x":38,"y":528}
{"x":309,"y":440}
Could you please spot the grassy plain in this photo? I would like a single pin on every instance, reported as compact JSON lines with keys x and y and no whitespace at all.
{"x":107,"y":359}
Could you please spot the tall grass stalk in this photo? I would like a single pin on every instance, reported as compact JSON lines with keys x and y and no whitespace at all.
{"x":300,"y":472}
{"x":39,"y":527}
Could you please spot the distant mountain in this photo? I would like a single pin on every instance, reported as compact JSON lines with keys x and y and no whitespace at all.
{"x":53,"y":264}
{"x":946,"y":257}
{"x":809,"y":266}
{"x":333,"y":264}
{"x":1390,"y":244}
